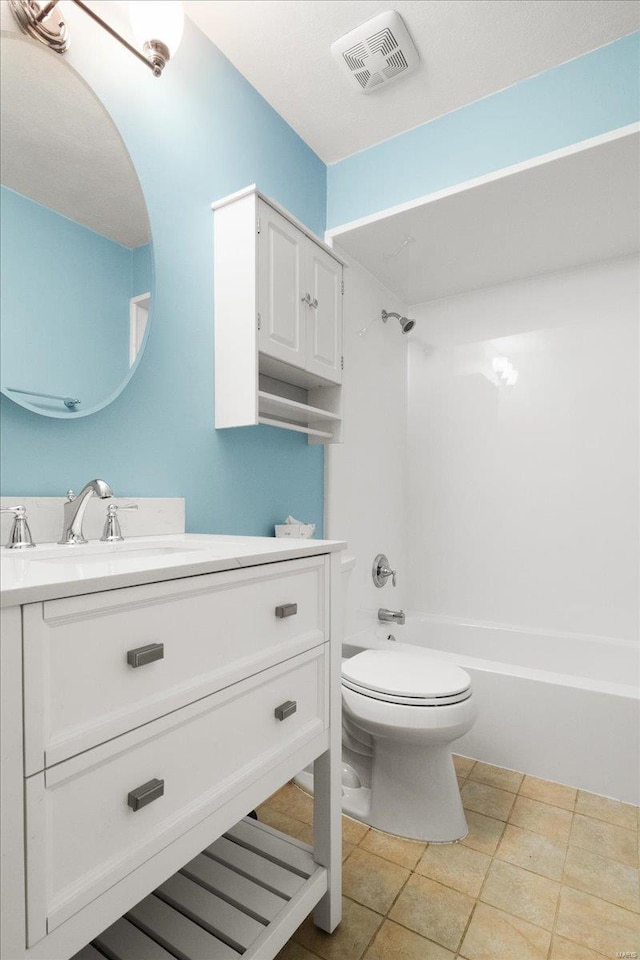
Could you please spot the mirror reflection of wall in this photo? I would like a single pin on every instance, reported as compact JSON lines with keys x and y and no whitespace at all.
{"x":75,"y":253}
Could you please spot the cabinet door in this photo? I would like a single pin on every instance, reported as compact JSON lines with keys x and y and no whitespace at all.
{"x":324,"y":315}
{"x":282,"y":312}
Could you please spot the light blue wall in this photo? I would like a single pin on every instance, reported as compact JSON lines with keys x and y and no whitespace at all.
{"x":142,"y":270}
{"x":196,"y":134}
{"x":574,"y":101}
{"x":82,"y":299}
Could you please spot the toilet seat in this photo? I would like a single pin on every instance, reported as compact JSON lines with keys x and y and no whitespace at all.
{"x":405,"y":678}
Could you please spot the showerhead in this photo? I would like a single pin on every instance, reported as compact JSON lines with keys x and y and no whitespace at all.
{"x":406,"y":324}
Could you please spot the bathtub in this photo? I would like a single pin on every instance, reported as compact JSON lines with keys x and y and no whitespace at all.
{"x":563,"y":708}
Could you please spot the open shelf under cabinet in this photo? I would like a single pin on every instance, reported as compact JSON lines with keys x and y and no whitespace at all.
{"x":243,"y":896}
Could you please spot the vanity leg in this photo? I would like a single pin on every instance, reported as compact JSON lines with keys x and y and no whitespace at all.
{"x":327,"y":800}
{"x":12,"y":878}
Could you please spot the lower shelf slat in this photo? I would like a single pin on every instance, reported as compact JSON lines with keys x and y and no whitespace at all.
{"x":214,"y":914}
{"x":248,"y":905}
{"x":249,"y":896}
{"x":122,"y":941}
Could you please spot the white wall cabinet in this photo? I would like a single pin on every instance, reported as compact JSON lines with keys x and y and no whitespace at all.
{"x":282,"y":286}
{"x":278,"y":320}
{"x":241,"y":698}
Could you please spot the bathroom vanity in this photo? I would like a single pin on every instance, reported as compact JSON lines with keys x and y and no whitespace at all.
{"x":153,"y":693}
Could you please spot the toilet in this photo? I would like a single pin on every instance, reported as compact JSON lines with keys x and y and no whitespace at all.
{"x":402,"y":710}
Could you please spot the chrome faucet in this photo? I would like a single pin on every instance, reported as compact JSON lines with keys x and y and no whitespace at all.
{"x":75,"y":507}
{"x":390,"y":616}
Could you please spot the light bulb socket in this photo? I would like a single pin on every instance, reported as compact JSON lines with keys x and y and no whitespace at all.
{"x":157,"y":53}
{"x":49,"y":28}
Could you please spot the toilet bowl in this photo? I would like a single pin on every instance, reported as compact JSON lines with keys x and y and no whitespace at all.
{"x":401,"y":713}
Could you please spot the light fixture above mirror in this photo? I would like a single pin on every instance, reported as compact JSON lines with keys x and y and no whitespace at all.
{"x":157,"y":26}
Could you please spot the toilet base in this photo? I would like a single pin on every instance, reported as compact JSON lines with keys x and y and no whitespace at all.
{"x":415,"y":794}
{"x":417,"y":797}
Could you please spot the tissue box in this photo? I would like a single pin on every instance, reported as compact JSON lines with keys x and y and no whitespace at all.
{"x":299,"y":531}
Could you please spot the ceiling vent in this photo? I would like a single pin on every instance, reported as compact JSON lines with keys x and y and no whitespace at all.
{"x":376,"y":52}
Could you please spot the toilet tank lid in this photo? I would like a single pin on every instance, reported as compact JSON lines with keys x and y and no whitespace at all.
{"x":405,"y":673}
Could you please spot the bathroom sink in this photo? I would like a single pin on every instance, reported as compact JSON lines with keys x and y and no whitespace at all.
{"x":93,"y":553}
{"x":90,"y":558}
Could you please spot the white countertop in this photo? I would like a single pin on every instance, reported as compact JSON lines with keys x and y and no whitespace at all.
{"x":49,"y":571}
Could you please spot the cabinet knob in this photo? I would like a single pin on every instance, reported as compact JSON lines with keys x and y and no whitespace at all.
{"x":142,"y":655}
{"x":307,"y":298}
{"x":145,"y":794}
{"x":313,"y":303}
{"x":286,"y":610}
{"x":286,"y":709}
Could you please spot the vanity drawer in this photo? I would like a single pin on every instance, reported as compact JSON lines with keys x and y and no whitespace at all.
{"x":99,"y":665}
{"x":83,"y":834}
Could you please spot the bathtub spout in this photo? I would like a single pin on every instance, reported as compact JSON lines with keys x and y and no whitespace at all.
{"x":390,"y":616}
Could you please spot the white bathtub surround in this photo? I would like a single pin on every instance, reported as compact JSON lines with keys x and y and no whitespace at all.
{"x":523,"y":499}
{"x":155,"y":515}
{"x":522,"y":544}
{"x":365,"y":476}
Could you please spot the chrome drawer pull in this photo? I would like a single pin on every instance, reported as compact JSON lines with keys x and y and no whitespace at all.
{"x":142,"y":655}
{"x":145,"y":794}
{"x":285,"y":709}
{"x":286,"y":610}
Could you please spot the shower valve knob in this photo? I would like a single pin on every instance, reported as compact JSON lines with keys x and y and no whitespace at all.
{"x":382,"y":571}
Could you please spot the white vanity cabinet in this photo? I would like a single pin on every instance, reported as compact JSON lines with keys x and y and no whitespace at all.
{"x":140,"y":725}
{"x":278,"y":293}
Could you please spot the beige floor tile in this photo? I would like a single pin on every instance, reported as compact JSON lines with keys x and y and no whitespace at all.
{"x":293,"y":802}
{"x":372,"y":881}
{"x":484,"y":832}
{"x":463,"y":765}
{"x":349,"y":941}
{"x":435,"y":911}
{"x":456,"y":866}
{"x":393,"y":942}
{"x":279,"y":821}
{"x":602,"y":808}
{"x":601,"y":926}
{"x":347,"y":849}
{"x":306,"y":835}
{"x":604,"y":838}
{"x":461,"y":781}
{"x":294,"y":951}
{"x":406,"y":853}
{"x":492,"y":802}
{"x":497,"y":776}
{"x":603,"y":878}
{"x":547,"y":792}
{"x":541,"y":818}
{"x":533,"y":851}
{"x":562,"y":949}
{"x":521,"y":893}
{"x":353,"y":830}
{"x":495,"y":935}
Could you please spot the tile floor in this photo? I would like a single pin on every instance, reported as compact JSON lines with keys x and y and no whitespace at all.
{"x":546,"y":872}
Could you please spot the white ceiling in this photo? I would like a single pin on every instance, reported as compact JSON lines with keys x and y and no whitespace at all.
{"x":59,"y":146}
{"x":469,"y":49}
{"x":578,"y":209}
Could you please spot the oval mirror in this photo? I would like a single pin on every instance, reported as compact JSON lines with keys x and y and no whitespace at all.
{"x":75,"y":244}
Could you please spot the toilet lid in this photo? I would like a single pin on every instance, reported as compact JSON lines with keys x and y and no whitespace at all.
{"x":402,"y":674}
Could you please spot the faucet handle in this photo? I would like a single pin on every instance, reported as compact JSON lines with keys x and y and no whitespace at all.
{"x":20,"y":536}
{"x":382,"y":571}
{"x":112,"y":532}
{"x":70,"y":496}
